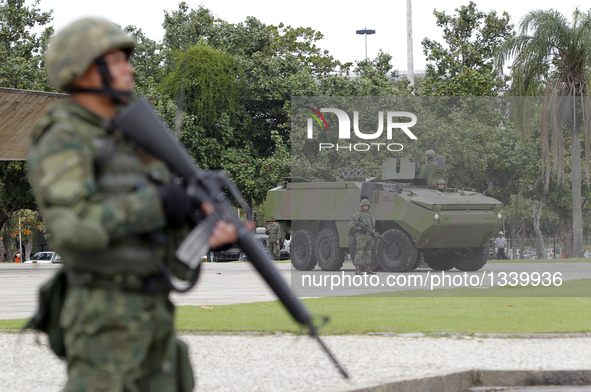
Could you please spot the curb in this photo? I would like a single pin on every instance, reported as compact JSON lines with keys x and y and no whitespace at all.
{"x":464,"y":381}
{"x":478,"y":335}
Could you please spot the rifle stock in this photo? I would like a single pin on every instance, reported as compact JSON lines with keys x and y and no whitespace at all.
{"x":140,"y":123}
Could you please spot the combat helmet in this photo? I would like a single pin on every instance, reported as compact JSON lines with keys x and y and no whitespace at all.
{"x":440,"y":181}
{"x":75,"y":48}
{"x":430,"y":154}
{"x":364,"y":202}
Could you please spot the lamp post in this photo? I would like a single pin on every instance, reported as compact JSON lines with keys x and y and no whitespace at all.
{"x":366,"y":32}
{"x":410,"y":73}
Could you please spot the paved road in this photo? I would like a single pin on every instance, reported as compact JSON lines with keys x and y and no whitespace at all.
{"x":219,"y":284}
{"x":231,"y":283}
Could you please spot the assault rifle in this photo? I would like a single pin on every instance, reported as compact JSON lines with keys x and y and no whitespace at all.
{"x":366,"y":229}
{"x":140,"y":123}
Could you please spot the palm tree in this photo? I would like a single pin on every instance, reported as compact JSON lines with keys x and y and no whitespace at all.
{"x":552,"y":58}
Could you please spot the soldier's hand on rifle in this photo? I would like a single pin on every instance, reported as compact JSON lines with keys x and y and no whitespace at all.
{"x":223,"y":233}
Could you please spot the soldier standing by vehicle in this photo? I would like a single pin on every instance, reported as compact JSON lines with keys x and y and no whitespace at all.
{"x":116,"y":218}
{"x":430,"y":158}
{"x":274,"y":231}
{"x":364,"y":241}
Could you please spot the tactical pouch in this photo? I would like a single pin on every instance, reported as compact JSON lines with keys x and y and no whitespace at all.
{"x":47,"y":319}
{"x":185,"y":379}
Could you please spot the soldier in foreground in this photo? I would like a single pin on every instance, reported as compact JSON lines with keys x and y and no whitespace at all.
{"x":274,"y":231}
{"x":364,"y":241}
{"x":116,"y":218}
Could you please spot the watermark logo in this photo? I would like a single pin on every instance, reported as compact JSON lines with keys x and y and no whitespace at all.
{"x":317,"y":116}
{"x":344,"y":129}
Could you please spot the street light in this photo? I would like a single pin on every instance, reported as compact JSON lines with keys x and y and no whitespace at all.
{"x":366,"y":32}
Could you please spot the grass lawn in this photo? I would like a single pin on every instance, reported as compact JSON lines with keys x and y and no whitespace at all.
{"x":360,"y":315}
{"x":452,"y":310}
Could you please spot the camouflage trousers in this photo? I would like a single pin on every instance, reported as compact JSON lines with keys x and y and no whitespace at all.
{"x":363,"y":249}
{"x":121,"y":341}
{"x":274,"y":249}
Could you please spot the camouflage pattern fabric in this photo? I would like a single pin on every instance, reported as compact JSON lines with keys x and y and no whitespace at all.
{"x":95,"y":216}
{"x":274,"y":236}
{"x":76,"y":47}
{"x":115,"y":339}
{"x":364,"y":241}
{"x":120,"y":341}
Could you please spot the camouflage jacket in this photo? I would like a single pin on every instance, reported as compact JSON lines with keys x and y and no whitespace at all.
{"x":97,"y":194}
{"x":363,"y":217}
{"x":274,"y":232}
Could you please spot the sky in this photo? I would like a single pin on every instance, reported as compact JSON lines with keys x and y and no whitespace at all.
{"x":338,"y":23}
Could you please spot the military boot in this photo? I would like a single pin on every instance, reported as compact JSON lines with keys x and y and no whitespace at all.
{"x":368,"y":270}
{"x":358,"y":270}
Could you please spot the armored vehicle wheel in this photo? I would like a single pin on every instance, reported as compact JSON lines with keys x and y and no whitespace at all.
{"x":302,"y":250}
{"x":473,"y":259}
{"x":418,"y":262}
{"x":400,"y":254}
{"x":375,"y":266}
{"x":329,"y":256}
{"x":438,"y":263}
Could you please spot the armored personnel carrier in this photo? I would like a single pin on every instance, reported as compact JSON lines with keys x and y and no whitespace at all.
{"x":449,"y":227}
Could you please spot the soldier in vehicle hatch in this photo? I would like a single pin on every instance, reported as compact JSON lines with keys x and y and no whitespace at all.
{"x":430,"y":158}
{"x":364,"y":241}
{"x":106,"y":201}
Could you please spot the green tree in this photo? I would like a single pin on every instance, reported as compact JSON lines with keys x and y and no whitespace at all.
{"x":21,"y":66}
{"x":552,"y":56}
{"x":15,"y":193}
{"x":248,"y":136}
{"x":464,"y":66}
{"x":21,"y":50}
{"x":210,"y":82}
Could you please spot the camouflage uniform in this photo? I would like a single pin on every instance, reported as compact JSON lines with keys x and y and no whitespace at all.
{"x":274,"y":235}
{"x":117,"y":318}
{"x":364,"y":241}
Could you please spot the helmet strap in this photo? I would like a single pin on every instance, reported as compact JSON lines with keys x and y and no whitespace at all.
{"x":115,"y":95}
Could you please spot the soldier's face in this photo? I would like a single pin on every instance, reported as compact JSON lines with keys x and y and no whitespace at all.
{"x":365,"y":208}
{"x":120,"y":69}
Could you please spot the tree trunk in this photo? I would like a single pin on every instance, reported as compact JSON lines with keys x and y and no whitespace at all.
{"x":565,"y":234}
{"x":6,"y":243}
{"x":523,"y":239}
{"x":28,"y":245}
{"x":537,"y":214}
{"x":577,"y":218}
{"x":565,"y":219}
